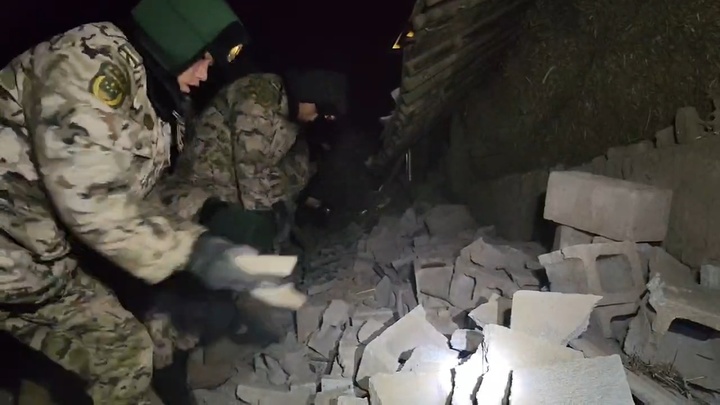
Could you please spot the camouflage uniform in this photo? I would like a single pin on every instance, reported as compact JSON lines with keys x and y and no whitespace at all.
{"x":80,"y":149}
{"x":245,"y":148}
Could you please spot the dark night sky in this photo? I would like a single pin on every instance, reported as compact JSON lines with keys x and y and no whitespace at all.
{"x":352,"y":37}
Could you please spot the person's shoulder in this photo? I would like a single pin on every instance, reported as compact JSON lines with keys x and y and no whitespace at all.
{"x":257,"y":91}
{"x":94,"y":57}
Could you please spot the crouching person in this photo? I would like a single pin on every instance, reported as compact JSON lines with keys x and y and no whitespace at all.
{"x":82,"y":143}
{"x":248,"y":147}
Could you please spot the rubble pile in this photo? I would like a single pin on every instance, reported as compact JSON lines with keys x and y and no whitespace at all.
{"x":655,"y":311}
{"x":429,"y":308}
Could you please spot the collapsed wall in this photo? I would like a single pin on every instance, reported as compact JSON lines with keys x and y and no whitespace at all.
{"x":514,"y":203}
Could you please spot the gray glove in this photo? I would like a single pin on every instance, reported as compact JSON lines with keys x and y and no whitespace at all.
{"x":213,"y":261}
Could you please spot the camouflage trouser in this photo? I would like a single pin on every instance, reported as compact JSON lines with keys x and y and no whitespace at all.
{"x":86,"y":330}
{"x":260,"y":189}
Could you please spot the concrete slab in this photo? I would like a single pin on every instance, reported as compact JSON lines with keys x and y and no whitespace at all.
{"x":596,"y":381}
{"x":410,"y":388}
{"x":492,"y":312}
{"x":509,"y":349}
{"x":617,"y":209}
{"x":555,"y":317}
{"x":382,"y":353}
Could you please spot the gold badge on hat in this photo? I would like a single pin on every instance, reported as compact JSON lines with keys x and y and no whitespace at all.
{"x":234,"y":52}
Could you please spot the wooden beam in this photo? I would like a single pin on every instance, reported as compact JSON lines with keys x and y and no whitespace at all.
{"x":409,"y":96}
{"x":444,"y":11}
{"x":466,"y":24}
{"x":470,"y":50}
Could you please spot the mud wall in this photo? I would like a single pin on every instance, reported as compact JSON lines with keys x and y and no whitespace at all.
{"x":590,"y":74}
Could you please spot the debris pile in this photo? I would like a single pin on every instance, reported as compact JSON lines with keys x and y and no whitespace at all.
{"x":661,"y":314}
{"x":429,"y":308}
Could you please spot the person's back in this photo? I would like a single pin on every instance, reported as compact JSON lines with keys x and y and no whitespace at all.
{"x":81,"y":147}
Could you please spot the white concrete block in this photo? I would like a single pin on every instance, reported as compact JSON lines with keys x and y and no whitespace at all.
{"x":555,"y":317}
{"x":410,"y":388}
{"x":509,"y":349}
{"x":491,"y":312}
{"x":467,"y":379}
{"x":596,"y":381}
{"x":493,"y":388}
{"x":307,"y":320}
{"x":466,"y":340}
{"x":348,"y":400}
{"x":382,"y":353}
{"x":616,"y":209}
{"x":430,"y":359}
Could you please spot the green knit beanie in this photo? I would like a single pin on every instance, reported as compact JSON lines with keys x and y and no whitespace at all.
{"x":181,"y":31}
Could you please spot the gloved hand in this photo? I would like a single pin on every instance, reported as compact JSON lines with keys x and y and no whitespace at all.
{"x":216,"y":262}
{"x":213,"y":261}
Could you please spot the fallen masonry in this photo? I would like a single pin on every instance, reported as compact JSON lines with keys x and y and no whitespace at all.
{"x":423,"y":310}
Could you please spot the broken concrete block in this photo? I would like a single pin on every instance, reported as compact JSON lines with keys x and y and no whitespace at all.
{"x":490,"y":256}
{"x":348,"y":400}
{"x":406,"y":299}
{"x":270,"y":396}
{"x":337,"y":314}
{"x":495,"y":311}
{"x":447,"y":320}
{"x":672,"y":271}
{"x":296,"y":364}
{"x":382,"y":315}
{"x":332,"y":384}
{"x":384,"y":295}
{"x":462,"y":291}
{"x":710,"y":275}
{"x":665,"y":137}
{"x":617,"y":209}
{"x":555,"y":317}
{"x":466,"y":340}
{"x":609,"y":318}
{"x":348,"y":357}
{"x":568,"y":236}
{"x":486,"y":279}
{"x":426,"y":359}
{"x":449,"y":220}
{"x":382,"y":353}
{"x":596,"y":381}
{"x":432,"y":279}
{"x":270,"y":367}
{"x":467,"y":379}
{"x":643,"y":388}
{"x":410,"y":388}
{"x":307,"y":320}
{"x":493,"y":388}
{"x":691,"y":350}
{"x":330,"y":397}
{"x":612,"y":270}
{"x":325,"y":341}
{"x":509,"y":349}
{"x":369,"y":330}
{"x":698,"y":304}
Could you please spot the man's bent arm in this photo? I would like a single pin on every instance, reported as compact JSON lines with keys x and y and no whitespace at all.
{"x":89,"y":153}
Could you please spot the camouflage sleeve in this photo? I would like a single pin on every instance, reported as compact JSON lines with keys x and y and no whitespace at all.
{"x":262,"y":134}
{"x":91,"y":155}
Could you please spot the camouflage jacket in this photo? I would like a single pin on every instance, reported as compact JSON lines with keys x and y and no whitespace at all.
{"x":80,"y":142}
{"x":244,"y":133}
